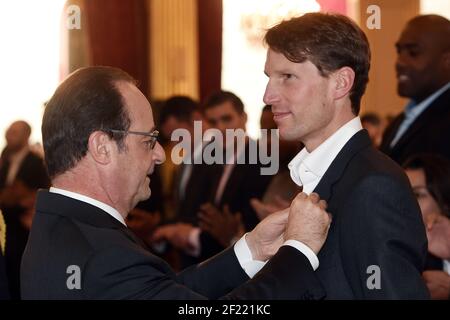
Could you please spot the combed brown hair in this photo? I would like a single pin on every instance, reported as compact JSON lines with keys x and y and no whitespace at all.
{"x":330,"y":42}
{"x":220,"y":97}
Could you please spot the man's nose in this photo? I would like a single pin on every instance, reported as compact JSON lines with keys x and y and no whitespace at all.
{"x":270,"y":95}
{"x":159,"y":156}
{"x":400,"y":61}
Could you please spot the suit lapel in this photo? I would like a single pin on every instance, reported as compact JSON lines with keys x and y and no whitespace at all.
{"x":359,"y":141}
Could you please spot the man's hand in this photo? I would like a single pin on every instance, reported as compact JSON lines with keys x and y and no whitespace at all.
{"x":308,"y":221}
{"x":268,"y":236}
{"x":143,"y":223}
{"x":438,"y":234}
{"x":223,"y":226}
{"x":264,"y":209}
{"x":438,"y":283}
{"x":177,"y":234}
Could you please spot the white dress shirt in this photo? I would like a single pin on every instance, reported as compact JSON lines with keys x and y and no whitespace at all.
{"x":307,"y":169}
{"x":188,"y":163}
{"x":446,"y":267}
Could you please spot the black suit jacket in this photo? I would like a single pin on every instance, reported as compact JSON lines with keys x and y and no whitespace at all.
{"x":114,"y":265}
{"x":196,"y":193}
{"x":376,"y":222}
{"x":429,"y":133}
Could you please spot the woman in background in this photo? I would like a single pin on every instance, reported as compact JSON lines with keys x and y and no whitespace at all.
{"x":429,"y":176}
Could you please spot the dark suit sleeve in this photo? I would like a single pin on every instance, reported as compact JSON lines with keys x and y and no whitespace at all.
{"x":382,"y":227}
{"x":118,"y":273}
{"x":210,"y":279}
{"x":288,"y":275}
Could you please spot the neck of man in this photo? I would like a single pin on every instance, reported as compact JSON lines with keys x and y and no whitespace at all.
{"x":89,"y":184}
{"x":315,"y":139}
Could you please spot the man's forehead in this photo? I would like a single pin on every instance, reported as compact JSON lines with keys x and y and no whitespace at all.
{"x":420,"y":34}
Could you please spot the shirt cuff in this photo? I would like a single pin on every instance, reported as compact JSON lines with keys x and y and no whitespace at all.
{"x":194,"y":243}
{"x":446,"y":266}
{"x":244,"y":256}
{"x":312,"y":257}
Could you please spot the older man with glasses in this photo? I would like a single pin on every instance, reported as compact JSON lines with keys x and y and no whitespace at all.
{"x":100,"y":149}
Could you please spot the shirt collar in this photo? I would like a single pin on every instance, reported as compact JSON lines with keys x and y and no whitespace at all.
{"x":103,"y":206}
{"x":309,"y":167}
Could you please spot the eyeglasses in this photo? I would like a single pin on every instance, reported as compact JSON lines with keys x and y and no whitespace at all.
{"x":154,"y":135}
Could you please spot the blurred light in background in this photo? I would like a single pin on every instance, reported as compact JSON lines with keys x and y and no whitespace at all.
{"x":29,"y":60}
{"x":440,"y":7}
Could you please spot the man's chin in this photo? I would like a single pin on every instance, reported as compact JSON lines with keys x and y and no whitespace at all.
{"x":286,"y":134}
{"x":145,"y":195}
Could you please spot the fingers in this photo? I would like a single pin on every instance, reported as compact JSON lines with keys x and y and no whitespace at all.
{"x":205,"y":219}
{"x":314,"y":197}
{"x":226,"y":211}
{"x":281,"y":203}
{"x":259,"y":207}
{"x":263,"y":210}
{"x":204,"y":226}
{"x":301,"y":196}
{"x":308,"y":221}
{"x":162,"y":233}
{"x":280,"y":216}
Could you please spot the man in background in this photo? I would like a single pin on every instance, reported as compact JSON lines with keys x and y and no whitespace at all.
{"x":22,"y":173}
{"x":423,"y":76}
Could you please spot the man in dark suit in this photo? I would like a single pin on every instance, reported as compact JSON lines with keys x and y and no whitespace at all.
{"x":18,"y":162}
{"x":182,"y":112}
{"x":318,"y":68}
{"x":227,"y":188}
{"x":423,"y":75}
{"x":100,"y":149}
{"x":22,"y":173}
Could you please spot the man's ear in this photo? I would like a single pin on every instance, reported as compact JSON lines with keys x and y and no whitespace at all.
{"x":100,"y":147}
{"x":343,"y":82}
{"x":244,"y":118}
